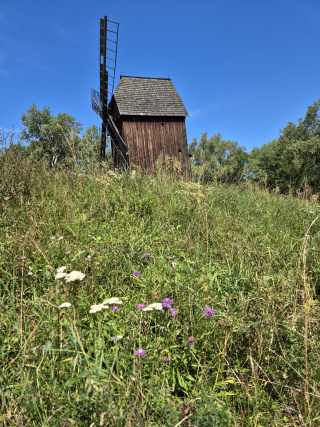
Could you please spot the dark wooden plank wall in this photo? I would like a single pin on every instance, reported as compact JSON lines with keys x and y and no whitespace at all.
{"x":148,"y":137}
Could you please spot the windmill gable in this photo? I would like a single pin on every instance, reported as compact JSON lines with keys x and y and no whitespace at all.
{"x":149,"y":116}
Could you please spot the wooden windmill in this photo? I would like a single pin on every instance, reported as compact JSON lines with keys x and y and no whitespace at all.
{"x":144,"y":117}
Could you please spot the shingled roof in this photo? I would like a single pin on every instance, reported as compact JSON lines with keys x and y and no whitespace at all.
{"x":148,"y":97}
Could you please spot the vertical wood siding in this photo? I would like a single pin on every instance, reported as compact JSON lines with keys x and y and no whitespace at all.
{"x":148,"y":137}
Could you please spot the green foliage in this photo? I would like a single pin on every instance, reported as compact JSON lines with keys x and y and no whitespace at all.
{"x":249,"y":254}
{"x":218,"y":160}
{"x":55,"y":138}
{"x":294,"y":158}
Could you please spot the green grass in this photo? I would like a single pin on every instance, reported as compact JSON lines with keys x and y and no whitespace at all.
{"x":248,"y":254}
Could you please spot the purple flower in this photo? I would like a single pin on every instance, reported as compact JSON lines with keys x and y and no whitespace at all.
{"x":140,"y":352}
{"x":115,"y":308}
{"x":148,"y":255}
{"x":172,"y":312}
{"x":166,"y":359}
{"x":141,"y":306}
{"x":166,"y":303}
{"x":136,"y":273}
{"x":190,"y":341}
{"x":208,"y":311}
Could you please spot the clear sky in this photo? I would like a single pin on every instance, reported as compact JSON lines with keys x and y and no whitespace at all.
{"x":242,"y":68}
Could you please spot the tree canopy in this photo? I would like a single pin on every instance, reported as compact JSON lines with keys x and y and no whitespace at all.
{"x":218,"y":160}
{"x":56,"y":138}
{"x":294,"y":158}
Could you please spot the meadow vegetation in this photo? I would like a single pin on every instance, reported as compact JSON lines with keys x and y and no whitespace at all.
{"x":235,"y":272}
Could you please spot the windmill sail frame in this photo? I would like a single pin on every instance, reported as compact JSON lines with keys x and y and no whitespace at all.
{"x":109,"y":31}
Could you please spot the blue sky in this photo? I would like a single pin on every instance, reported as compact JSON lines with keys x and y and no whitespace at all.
{"x":242,"y":68}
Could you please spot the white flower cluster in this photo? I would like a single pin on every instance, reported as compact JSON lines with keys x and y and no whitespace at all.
{"x":104,"y":305}
{"x":69,"y":277}
{"x":65,"y":305}
{"x":154,"y":306}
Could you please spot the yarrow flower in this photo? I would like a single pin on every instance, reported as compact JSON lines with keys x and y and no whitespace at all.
{"x":141,"y":306}
{"x":115,"y":308}
{"x":208,"y":311}
{"x":154,"y":306}
{"x":60,"y":276}
{"x":136,"y":273}
{"x":172,"y":312}
{"x":174,"y":264}
{"x":65,"y":305}
{"x":117,"y":338}
{"x":113,"y":300}
{"x":97,"y":307}
{"x":190,"y":341}
{"x":140,"y":352}
{"x":62,"y":269}
{"x":148,"y":255}
{"x":73,"y":276}
{"x":166,"y":302}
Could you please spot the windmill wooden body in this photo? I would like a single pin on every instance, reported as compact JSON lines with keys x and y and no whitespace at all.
{"x":144,"y":117}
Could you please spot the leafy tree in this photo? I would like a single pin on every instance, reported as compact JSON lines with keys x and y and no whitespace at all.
{"x":56,"y":138}
{"x":89,"y":151}
{"x":294,"y":158}
{"x":218,"y":160}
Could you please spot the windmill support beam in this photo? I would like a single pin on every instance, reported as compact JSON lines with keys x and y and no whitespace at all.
{"x":113,"y":128}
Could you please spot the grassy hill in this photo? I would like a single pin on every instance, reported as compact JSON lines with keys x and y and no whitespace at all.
{"x":240,"y":265}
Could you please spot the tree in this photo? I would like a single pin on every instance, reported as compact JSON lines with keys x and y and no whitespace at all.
{"x":218,"y":160}
{"x":294,"y":158}
{"x":56,"y":138}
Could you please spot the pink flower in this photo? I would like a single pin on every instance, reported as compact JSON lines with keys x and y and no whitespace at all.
{"x":208,"y":311}
{"x":115,"y":308}
{"x":190,"y":341}
{"x":140,"y":352}
{"x":141,"y":306}
{"x":136,"y":273}
{"x":148,"y":255}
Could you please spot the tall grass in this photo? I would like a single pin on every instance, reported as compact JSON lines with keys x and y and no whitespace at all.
{"x":250,"y":255}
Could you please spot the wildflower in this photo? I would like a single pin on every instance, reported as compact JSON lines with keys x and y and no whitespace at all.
{"x":154,"y":306}
{"x":97,"y":307}
{"x":148,"y":255}
{"x":65,"y":305}
{"x":62,"y":269}
{"x":30,"y":273}
{"x":89,"y":258}
{"x":168,"y":256}
{"x":166,"y":302}
{"x":60,"y":276}
{"x":113,"y":300}
{"x":136,"y":273}
{"x":117,"y":338}
{"x":208,"y":311}
{"x":141,"y":306}
{"x":190,"y":341}
{"x":140,"y":352}
{"x":115,"y":308}
{"x":60,"y":238}
{"x":172,"y":312}
{"x":166,"y":359}
{"x":174,"y":264}
{"x":73,"y":276}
